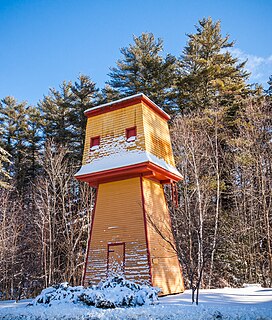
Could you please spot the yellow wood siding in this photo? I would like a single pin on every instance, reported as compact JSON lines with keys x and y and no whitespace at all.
{"x":152,"y":133}
{"x":157,"y":136}
{"x":118,"y":218}
{"x":120,"y":213}
{"x":165,"y":267}
{"x":111,"y":127}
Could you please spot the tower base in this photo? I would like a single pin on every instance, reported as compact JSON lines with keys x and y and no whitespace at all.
{"x":131,"y":235}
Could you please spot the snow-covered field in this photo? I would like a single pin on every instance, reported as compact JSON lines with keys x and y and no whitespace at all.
{"x":240,"y":304}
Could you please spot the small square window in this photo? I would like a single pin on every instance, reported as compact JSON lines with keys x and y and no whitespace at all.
{"x":95,"y":142}
{"x":131,"y":134}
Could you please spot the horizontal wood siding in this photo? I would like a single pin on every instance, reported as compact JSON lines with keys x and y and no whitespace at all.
{"x":157,"y":136}
{"x":111,"y":127}
{"x":165,"y":267}
{"x":118,"y":218}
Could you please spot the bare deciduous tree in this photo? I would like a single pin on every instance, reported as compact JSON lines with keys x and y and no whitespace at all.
{"x":63,"y":218}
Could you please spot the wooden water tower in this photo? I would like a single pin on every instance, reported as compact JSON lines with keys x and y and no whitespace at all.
{"x":128,"y":157}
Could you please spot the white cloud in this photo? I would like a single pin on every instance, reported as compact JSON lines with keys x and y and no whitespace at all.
{"x":259,"y":67}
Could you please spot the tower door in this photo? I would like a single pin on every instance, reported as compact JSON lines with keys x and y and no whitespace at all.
{"x":116,"y":258}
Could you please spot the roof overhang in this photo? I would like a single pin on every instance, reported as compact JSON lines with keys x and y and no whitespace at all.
{"x":145,"y":169}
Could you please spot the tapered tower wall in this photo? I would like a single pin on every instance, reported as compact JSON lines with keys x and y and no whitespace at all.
{"x":128,"y":157}
{"x":118,"y":219}
{"x":165,"y":268}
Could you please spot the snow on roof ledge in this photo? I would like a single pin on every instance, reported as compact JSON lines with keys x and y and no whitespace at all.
{"x":122,"y":160}
{"x":123,"y":101}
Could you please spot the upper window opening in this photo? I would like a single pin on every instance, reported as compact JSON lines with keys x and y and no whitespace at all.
{"x":131,"y":134}
{"x":95,"y":142}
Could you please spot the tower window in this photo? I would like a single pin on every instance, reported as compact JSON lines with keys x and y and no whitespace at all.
{"x":95,"y":142}
{"x":131,"y":134}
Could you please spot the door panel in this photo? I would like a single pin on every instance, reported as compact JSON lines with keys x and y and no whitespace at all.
{"x":116,"y":258}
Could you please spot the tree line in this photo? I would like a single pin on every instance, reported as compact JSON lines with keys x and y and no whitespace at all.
{"x":221,"y":134}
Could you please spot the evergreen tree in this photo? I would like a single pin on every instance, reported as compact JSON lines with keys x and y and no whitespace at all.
{"x":143,"y":69}
{"x":63,"y":113}
{"x":85,"y":95}
{"x":108,"y":94}
{"x":4,"y":176}
{"x":13,"y":121}
{"x":21,"y":137}
{"x":211,"y":85}
{"x":207,"y":72}
{"x":33,"y":139}
{"x":269,"y":90}
{"x":55,"y":109}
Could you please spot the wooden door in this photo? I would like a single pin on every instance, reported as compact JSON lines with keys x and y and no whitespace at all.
{"x":116,"y":258}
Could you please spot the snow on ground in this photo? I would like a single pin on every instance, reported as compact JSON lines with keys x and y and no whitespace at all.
{"x":251,"y":303}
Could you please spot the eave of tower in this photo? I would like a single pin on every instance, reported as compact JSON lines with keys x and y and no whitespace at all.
{"x":146,"y":169}
{"x":122,"y":103}
{"x":127,"y":165}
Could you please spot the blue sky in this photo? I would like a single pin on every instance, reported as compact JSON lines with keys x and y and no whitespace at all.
{"x":44,"y":42}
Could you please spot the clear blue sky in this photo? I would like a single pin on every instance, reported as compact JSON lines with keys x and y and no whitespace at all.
{"x":44,"y":42}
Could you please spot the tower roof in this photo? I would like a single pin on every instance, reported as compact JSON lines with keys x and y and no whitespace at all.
{"x":122,"y":103}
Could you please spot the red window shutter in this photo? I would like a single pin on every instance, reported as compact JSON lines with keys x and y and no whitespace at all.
{"x":131,"y":132}
{"x":95,"y":141}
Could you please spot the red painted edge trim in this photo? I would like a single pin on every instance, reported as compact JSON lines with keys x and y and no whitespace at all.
{"x":108,"y":175}
{"x":168,"y":174}
{"x":126,"y":103}
{"x":113,"y":174}
{"x":89,"y":239}
{"x":146,"y":235}
{"x":124,"y":253}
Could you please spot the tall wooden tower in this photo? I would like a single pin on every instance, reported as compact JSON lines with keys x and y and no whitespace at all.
{"x":128,"y":157}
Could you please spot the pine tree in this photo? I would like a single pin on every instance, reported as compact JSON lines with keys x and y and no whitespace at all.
{"x":207,"y":72}
{"x":85,"y":95}
{"x":210,"y":81}
{"x":210,"y":87}
{"x":63,"y":113}
{"x":33,"y":139}
{"x":55,"y":109}
{"x":108,"y":94}
{"x":143,"y":69}
{"x":269,"y":90}
{"x":13,"y":121}
{"x":4,"y":175}
{"x":21,"y":138}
